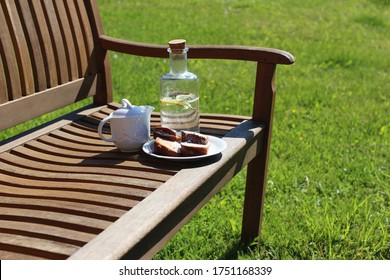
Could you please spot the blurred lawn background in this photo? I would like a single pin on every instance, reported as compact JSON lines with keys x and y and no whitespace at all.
{"x":328,"y":185}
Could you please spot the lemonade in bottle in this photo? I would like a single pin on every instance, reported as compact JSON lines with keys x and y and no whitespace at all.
{"x":179,"y":100}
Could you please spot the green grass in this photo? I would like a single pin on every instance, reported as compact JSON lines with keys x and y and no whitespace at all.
{"x":328,"y":184}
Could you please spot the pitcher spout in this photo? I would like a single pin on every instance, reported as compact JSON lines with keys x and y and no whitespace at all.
{"x":149,"y":109}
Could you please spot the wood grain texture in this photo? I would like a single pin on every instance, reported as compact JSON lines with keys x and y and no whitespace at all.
{"x":78,"y":38}
{"x":68,"y":39}
{"x":35,"y":49}
{"x":87,"y":36}
{"x":9,"y":59}
{"x":20,"y":46}
{"x":3,"y":84}
{"x":45,"y":42}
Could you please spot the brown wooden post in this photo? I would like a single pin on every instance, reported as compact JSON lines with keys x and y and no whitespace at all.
{"x":263,"y":110}
{"x":105,"y":93}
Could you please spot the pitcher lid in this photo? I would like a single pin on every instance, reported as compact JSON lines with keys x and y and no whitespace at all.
{"x":127,"y":110}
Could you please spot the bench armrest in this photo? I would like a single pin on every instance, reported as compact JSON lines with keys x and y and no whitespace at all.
{"x":263,"y":55}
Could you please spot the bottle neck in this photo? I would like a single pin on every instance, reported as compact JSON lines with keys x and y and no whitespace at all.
{"x":178,"y":61}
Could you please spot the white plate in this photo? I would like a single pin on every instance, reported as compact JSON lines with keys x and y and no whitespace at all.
{"x":217,"y":145}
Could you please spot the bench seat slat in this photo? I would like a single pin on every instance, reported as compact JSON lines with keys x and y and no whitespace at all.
{"x":72,"y":138}
{"x":83,"y":209}
{"x":62,"y":235}
{"x":81,"y":197}
{"x":8,"y":255}
{"x":128,"y":162}
{"x":35,"y":246}
{"x":137,"y":190}
{"x":39,"y":217}
{"x":74,"y":146}
{"x":118,"y":170}
{"x":84,"y":130}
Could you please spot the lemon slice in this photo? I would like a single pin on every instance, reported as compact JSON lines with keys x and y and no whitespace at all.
{"x":180,"y":100}
{"x":173,"y":102}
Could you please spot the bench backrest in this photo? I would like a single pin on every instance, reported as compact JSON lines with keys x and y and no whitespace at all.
{"x":50,"y":57}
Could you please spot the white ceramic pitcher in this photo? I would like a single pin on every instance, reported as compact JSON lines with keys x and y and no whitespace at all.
{"x":130,"y":126}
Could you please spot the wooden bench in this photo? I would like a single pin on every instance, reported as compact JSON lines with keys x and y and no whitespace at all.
{"x":66,"y":194}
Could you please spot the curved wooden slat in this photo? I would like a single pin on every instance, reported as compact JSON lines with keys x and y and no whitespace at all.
{"x":67,"y":37}
{"x":34,"y":46}
{"x":81,"y":131}
{"x":67,"y":221}
{"x":63,"y":206}
{"x":24,"y":251}
{"x":89,"y":162}
{"x":87,"y":35}
{"x":123,"y":196}
{"x":99,"y":115}
{"x":10,"y":63}
{"x":117,"y":170}
{"x":35,"y":246}
{"x":103,"y":159}
{"x":78,"y":38}
{"x":99,"y":183}
{"x":56,"y":40}
{"x":61,"y":143}
{"x":74,"y":138}
{"x":21,"y":48}
{"x":88,"y":124}
{"x":3,"y":83}
{"x":48,"y":191}
{"x":59,"y":235}
{"x":45,"y":42}
{"x":7,"y":255}
{"x":79,"y":201}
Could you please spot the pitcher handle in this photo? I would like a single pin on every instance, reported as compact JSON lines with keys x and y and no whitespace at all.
{"x":100,"y":127}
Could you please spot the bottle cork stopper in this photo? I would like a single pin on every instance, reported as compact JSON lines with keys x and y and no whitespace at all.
{"x":177,"y":45}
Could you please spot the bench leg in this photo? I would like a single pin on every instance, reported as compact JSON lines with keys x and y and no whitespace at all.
{"x":254,"y":198}
{"x":256,"y":179}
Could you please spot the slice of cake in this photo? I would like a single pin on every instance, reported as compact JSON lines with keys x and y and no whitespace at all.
{"x":166,"y":148}
{"x":193,"y":149}
{"x":193,"y":137}
{"x":166,"y":133}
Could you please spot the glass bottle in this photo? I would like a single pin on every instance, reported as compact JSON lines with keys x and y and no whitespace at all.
{"x":179,"y":100}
